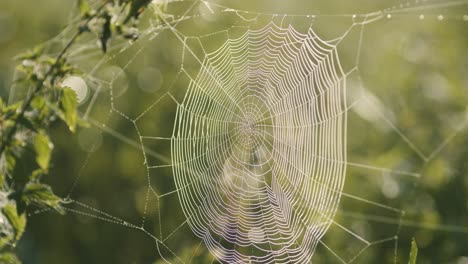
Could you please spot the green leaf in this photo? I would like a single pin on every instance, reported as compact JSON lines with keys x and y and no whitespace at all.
{"x":85,"y":10}
{"x":37,"y":174}
{"x":4,"y":241}
{"x":9,"y":258}
{"x":31,"y":54}
{"x":413,"y":253}
{"x":43,"y":148}
{"x":2,"y":181}
{"x":39,"y":104}
{"x":68,"y":104}
{"x":41,"y":195}
{"x":11,"y":111}
{"x":18,"y":222}
{"x":10,"y":161}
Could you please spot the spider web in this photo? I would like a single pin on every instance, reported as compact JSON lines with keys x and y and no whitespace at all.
{"x":244,"y":163}
{"x":267,"y":117}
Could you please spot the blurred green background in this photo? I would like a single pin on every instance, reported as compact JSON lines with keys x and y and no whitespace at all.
{"x":415,"y":72}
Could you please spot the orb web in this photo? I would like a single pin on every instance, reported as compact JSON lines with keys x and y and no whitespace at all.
{"x":258,"y":147}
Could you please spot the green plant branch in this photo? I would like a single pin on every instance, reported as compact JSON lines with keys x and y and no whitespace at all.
{"x":20,"y":172}
{"x":41,"y":83}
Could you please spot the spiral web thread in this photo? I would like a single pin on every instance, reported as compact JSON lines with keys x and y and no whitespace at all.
{"x":258,"y":149}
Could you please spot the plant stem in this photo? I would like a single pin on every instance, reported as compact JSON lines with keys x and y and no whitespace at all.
{"x":40,"y":85}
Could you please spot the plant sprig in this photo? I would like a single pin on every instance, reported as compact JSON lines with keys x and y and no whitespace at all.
{"x":25,"y":145}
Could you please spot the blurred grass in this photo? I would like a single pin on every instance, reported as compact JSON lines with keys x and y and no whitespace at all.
{"x":415,"y":69}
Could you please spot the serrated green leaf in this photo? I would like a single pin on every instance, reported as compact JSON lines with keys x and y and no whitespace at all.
{"x":41,"y":195}
{"x":9,"y":258}
{"x":43,"y":148}
{"x":18,"y":222}
{"x":414,"y":252}
{"x":68,"y":104}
